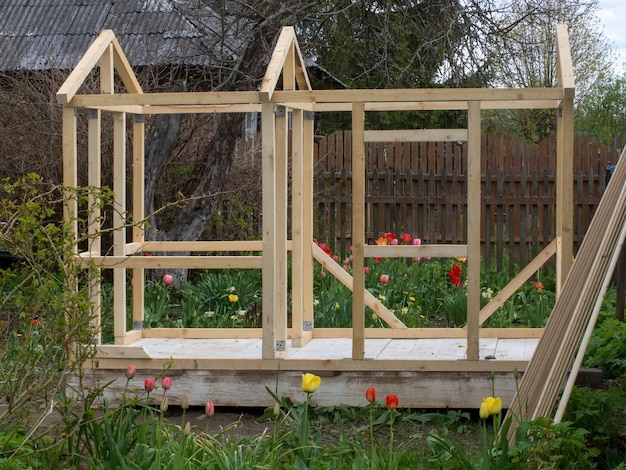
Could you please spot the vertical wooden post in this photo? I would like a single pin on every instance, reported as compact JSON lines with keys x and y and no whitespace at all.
{"x":269,"y":228}
{"x":94,"y":173}
{"x":302,"y":200}
{"x":70,"y":174}
{"x":119,"y":222}
{"x":358,"y":231}
{"x":473,"y":229}
{"x":297,"y":222}
{"x":280,"y":273}
{"x":138,"y":215}
{"x":564,"y":161}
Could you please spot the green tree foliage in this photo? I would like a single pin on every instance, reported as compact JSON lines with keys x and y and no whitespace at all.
{"x":602,"y":112}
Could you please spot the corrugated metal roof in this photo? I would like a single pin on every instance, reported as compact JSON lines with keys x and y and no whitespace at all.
{"x":41,"y":34}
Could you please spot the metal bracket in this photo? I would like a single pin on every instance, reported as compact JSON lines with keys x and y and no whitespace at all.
{"x":139,"y":118}
{"x":280,"y":345}
{"x":138,"y":325}
{"x":280,"y":111}
{"x":307,"y":325}
{"x":309,"y":115}
{"x":94,"y":114}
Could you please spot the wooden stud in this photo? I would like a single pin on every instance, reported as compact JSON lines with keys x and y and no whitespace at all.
{"x":270,"y":256}
{"x":358,"y":231}
{"x":275,"y":66}
{"x":297,"y":224}
{"x":138,"y":214}
{"x":119,"y":223}
{"x":417,"y":135}
{"x":94,"y":177}
{"x":280,"y":208}
{"x":473,"y":229}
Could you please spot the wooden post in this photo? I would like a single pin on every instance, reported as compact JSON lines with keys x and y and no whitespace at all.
{"x":307,"y":227}
{"x":94,"y":173}
{"x":473,"y":229}
{"x":269,"y":229}
{"x":564,"y":161}
{"x":138,"y":216}
{"x":297,"y":222}
{"x":119,"y":222}
{"x":280,"y":270}
{"x":70,"y":160}
{"x":358,"y":231}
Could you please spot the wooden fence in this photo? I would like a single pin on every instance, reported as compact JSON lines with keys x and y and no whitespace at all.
{"x":420,"y":188}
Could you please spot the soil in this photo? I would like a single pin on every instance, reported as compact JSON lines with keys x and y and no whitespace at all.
{"x":236,"y":422}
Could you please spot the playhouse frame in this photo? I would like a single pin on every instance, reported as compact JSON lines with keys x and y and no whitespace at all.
{"x":298,"y":98}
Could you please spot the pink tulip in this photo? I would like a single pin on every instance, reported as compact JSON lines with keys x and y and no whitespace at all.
{"x":166,"y":382}
{"x":394,"y":241}
{"x":366,"y":269}
{"x":417,"y":242}
{"x":185,"y":402}
{"x":149,"y":384}
{"x":384,"y":279}
{"x":323,"y":274}
{"x":131,"y":371}
{"x":209,"y":409}
{"x":168,"y":279}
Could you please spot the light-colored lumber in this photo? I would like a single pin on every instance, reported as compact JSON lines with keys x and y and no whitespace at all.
{"x":138,"y":215}
{"x":473,"y":229}
{"x":107,"y":69}
{"x":166,"y":99}
{"x":565,"y":67}
{"x":411,"y":251}
{"x":580,"y":355}
{"x":94,"y":178}
{"x":514,"y":284}
{"x":70,"y":171}
{"x":297,"y":225}
{"x":198,"y":109}
{"x":358,"y":231}
{"x":124,"y":69}
{"x":347,"y":280}
{"x":418,"y":94}
{"x":270,"y":256}
{"x":553,"y":357}
{"x":417,"y":135}
{"x":431,"y":105}
{"x":162,"y":262}
{"x":200,"y":245}
{"x":280,"y":267}
{"x":275,"y":66}
{"x":134,"y":248}
{"x":119,"y":225}
{"x":84,"y":67}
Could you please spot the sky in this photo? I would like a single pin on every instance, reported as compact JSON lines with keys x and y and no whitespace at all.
{"x":612,"y":14}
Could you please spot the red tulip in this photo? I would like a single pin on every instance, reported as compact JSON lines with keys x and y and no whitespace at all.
{"x":209,"y":409}
{"x":166,"y":383}
{"x":538,"y":286}
{"x":370,"y":394}
{"x":406,"y":238}
{"x":391,"y":401}
{"x":149,"y":384}
{"x":131,"y":371}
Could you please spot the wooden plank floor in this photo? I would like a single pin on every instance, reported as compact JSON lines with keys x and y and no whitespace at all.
{"x":519,"y":349}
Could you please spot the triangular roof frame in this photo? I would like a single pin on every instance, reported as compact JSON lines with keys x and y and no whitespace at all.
{"x":286,"y":60}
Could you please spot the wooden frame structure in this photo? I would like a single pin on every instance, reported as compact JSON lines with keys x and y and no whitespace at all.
{"x":277,"y":340}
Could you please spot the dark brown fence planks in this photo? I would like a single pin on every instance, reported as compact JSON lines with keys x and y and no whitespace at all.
{"x":420,"y":188}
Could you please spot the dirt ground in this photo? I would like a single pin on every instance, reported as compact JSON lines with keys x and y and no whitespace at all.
{"x":239,"y":421}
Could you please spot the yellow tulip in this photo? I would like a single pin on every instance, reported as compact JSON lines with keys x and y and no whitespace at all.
{"x":233,"y":298}
{"x":490,"y":406}
{"x":484,"y":410}
{"x":310,"y":382}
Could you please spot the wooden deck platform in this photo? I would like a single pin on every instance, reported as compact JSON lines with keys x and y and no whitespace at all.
{"x":424,"y":372}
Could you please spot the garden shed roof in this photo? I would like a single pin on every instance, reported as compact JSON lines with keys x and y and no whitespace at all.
{"x":45,"y":34}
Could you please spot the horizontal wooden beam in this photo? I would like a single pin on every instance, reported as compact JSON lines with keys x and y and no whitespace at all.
{"x":416,"y":135}
{"x":164,"y":262}
{"x":430,"y":105}
{"x":412,"y":251}
{"x":167,"y":99}
{"x":217,"y":245}
{"x":418,"y":94}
